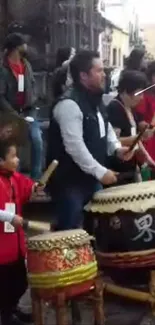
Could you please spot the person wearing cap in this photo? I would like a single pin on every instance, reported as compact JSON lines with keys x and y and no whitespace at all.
{"x":17,"y":94}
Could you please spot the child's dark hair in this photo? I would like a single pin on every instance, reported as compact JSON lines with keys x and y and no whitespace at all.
{"x":5,"y":145}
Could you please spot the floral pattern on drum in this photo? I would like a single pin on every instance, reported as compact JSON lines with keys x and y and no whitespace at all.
{"x":59,"y":259}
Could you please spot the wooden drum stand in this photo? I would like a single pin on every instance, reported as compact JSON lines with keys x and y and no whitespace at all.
{"x":59,"y":299}
{"x":131,"y":260}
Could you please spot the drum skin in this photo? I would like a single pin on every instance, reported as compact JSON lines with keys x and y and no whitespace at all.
{"x":59,"y":261}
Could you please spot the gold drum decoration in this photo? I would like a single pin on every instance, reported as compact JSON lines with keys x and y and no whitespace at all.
{"x":60,"y":259}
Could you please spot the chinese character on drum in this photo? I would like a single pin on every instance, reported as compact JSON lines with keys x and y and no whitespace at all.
{"x":144,"y":228}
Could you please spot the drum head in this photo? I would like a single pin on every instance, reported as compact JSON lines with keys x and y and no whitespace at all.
{"x":57,"y":235}
{"x":136,"y":197}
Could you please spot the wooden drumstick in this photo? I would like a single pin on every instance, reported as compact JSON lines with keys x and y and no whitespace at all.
{"x":143,"y":90}
{"x":36,"y":225}
{"x":47,"y":174}
{"x":138,"y":138}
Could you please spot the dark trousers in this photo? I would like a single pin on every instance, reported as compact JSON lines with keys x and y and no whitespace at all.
{"x":13,"y":284}
{"x":70,"y":204}
{"x":36,"y":149}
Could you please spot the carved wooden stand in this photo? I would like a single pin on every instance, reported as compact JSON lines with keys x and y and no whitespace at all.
{"x":152,"y":291}
{"x":129,"y":260}
{"x":60,"y":302}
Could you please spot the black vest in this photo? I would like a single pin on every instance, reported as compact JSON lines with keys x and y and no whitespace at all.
{"x":68,"y":172}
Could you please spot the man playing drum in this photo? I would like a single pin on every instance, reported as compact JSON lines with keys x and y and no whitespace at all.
{"x":80,"y":138}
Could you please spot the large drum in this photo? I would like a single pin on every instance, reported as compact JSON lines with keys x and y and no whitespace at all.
{"x":61,"y":259}
{"x":125,"y":223}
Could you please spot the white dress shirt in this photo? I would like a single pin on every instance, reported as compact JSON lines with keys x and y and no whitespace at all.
{"x":70,"y":119}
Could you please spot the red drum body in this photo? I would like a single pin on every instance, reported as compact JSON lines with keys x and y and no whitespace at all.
{"x":61,"y":260}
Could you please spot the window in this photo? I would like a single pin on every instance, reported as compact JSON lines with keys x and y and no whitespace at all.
{"x":119,"y":57}
{"x":114,"y":57}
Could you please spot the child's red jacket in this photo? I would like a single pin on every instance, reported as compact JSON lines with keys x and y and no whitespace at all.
{"x":14,"y":188}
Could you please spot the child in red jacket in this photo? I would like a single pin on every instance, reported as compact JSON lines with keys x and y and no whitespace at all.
{"x":15,"y":190}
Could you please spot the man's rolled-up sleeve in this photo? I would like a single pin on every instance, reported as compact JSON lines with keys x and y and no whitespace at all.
{"x":70,"y":119}
{"x":113,"y":142}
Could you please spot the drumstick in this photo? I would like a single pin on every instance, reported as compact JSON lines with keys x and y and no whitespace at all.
{"x":36,"y":225}
{"x":49,"y":171}
{"x":123,"y":176}
{"x":143,"y":90}
{"x":140,"y":135}
{"x":138,"y":138}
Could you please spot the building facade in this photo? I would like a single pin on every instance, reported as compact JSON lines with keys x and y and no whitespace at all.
{"x":114,"y":40}
{"x":119,"y":47}
{"x":51,"y":24}
{"x":148,"y":39}
{"x":114,"y":45}
{"x":105,"y":42}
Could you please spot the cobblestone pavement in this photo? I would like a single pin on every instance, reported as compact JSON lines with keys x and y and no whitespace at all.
{"x":116,"y":312}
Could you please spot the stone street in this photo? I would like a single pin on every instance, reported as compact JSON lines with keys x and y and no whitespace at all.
{"x":117,"y":312}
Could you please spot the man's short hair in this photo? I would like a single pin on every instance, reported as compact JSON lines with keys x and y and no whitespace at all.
{"x":131,"y":80}
{"x":82,"y":62}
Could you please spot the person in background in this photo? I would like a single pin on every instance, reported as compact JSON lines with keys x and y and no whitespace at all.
{"x":80,"y":138}
{"x":136,"y":60}
{"x":124,"y":119}
{"x":15,"y":191}
{"x":107,"y":71}
{"x":146,"y":108}
{"x":17,"y":94}
{"x":62,"y":56}
{"x":61,"y":76}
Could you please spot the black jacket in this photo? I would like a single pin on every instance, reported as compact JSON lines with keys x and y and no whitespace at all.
{"x":9,"y":89}
{"x":68,"y":172}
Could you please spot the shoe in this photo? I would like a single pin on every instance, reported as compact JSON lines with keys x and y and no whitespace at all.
{"x":23,"y":317}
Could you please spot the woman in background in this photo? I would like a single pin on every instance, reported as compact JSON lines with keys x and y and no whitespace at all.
{"x":61,"y":76}
{"x":136,"y":60}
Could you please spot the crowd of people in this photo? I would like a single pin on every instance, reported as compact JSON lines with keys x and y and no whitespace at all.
{"x":90,"y":141}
